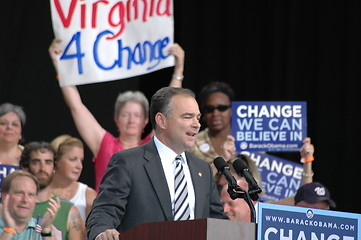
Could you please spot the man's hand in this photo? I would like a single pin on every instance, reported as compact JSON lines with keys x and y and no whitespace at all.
{"x":9,"y":222}
{"x":49,"y":216}
{"x":109,"y":234}
{"x":229,"y":148}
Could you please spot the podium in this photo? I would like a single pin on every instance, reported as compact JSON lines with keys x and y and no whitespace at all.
{"x":201,"y":229}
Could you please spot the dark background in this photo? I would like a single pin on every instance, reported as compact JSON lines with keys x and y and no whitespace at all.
{"x":266,"y":50}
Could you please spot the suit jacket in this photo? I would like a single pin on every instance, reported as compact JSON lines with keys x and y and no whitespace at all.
{"x":134,"y":190}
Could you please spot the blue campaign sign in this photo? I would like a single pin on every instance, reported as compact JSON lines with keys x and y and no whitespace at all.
{"x":298,"y":223}
{"x":6,"y":170}
{"x":280,"y":177}
{"x":269,"y":126}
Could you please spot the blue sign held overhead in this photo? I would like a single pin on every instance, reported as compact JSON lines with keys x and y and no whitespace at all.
{"x":269,"y":126}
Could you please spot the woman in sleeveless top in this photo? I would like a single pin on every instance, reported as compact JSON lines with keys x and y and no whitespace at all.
{"x":70,"y":155}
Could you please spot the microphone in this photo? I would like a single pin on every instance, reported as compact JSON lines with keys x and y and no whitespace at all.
{"x":242,"y":170}
{"x":223,"y":168}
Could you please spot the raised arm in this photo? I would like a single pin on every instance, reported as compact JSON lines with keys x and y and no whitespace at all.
{"x":88,"y":127}
{"x":177,"y":76}
{"x":307,"y":151}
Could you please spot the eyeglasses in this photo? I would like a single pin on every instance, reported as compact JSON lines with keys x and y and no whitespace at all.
{"x":220,"y":108}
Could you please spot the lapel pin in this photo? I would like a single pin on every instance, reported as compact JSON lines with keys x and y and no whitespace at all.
{"x":200,"y":174}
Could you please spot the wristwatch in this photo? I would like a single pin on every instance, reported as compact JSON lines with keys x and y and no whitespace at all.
{"x":48,"y":234}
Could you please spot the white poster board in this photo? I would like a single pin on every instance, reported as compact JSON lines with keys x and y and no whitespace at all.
{"x":106,"y":40}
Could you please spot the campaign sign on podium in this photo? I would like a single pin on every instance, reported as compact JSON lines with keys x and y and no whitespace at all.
{"x":299,"y":223}
{"x":269,"y":126}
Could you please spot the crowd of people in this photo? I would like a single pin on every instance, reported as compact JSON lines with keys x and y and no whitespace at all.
{"x":168,"y":175}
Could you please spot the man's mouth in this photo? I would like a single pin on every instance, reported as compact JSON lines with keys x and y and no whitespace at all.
{"x":192,"y":134}
{"x":42,"y":175}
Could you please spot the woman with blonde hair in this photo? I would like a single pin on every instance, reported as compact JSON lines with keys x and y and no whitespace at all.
{"x":70,"y":155}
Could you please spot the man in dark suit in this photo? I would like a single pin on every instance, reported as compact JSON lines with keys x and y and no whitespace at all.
{"x":139,"y":185}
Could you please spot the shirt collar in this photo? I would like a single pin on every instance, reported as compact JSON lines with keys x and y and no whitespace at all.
{"x":165,"y":152}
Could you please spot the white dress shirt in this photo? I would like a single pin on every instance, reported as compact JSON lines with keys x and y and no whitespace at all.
{"x":167,"y":157}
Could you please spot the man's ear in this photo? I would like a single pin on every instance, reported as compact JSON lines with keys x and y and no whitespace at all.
{"x":161,"y":120}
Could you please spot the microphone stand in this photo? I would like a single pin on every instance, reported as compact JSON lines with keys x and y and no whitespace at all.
{"x":253,"y":192}
{"x":243,"y":194}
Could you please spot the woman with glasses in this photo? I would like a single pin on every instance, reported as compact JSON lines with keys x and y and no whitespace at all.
{"x":215,"y":100}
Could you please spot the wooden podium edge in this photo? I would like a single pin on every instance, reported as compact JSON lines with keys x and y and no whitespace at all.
{"x":199,"y":229}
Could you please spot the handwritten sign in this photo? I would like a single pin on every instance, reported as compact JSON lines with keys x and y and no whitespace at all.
{"x":269,"y":126}
{"x":112,"y":39}
{"x":294,"y":223}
